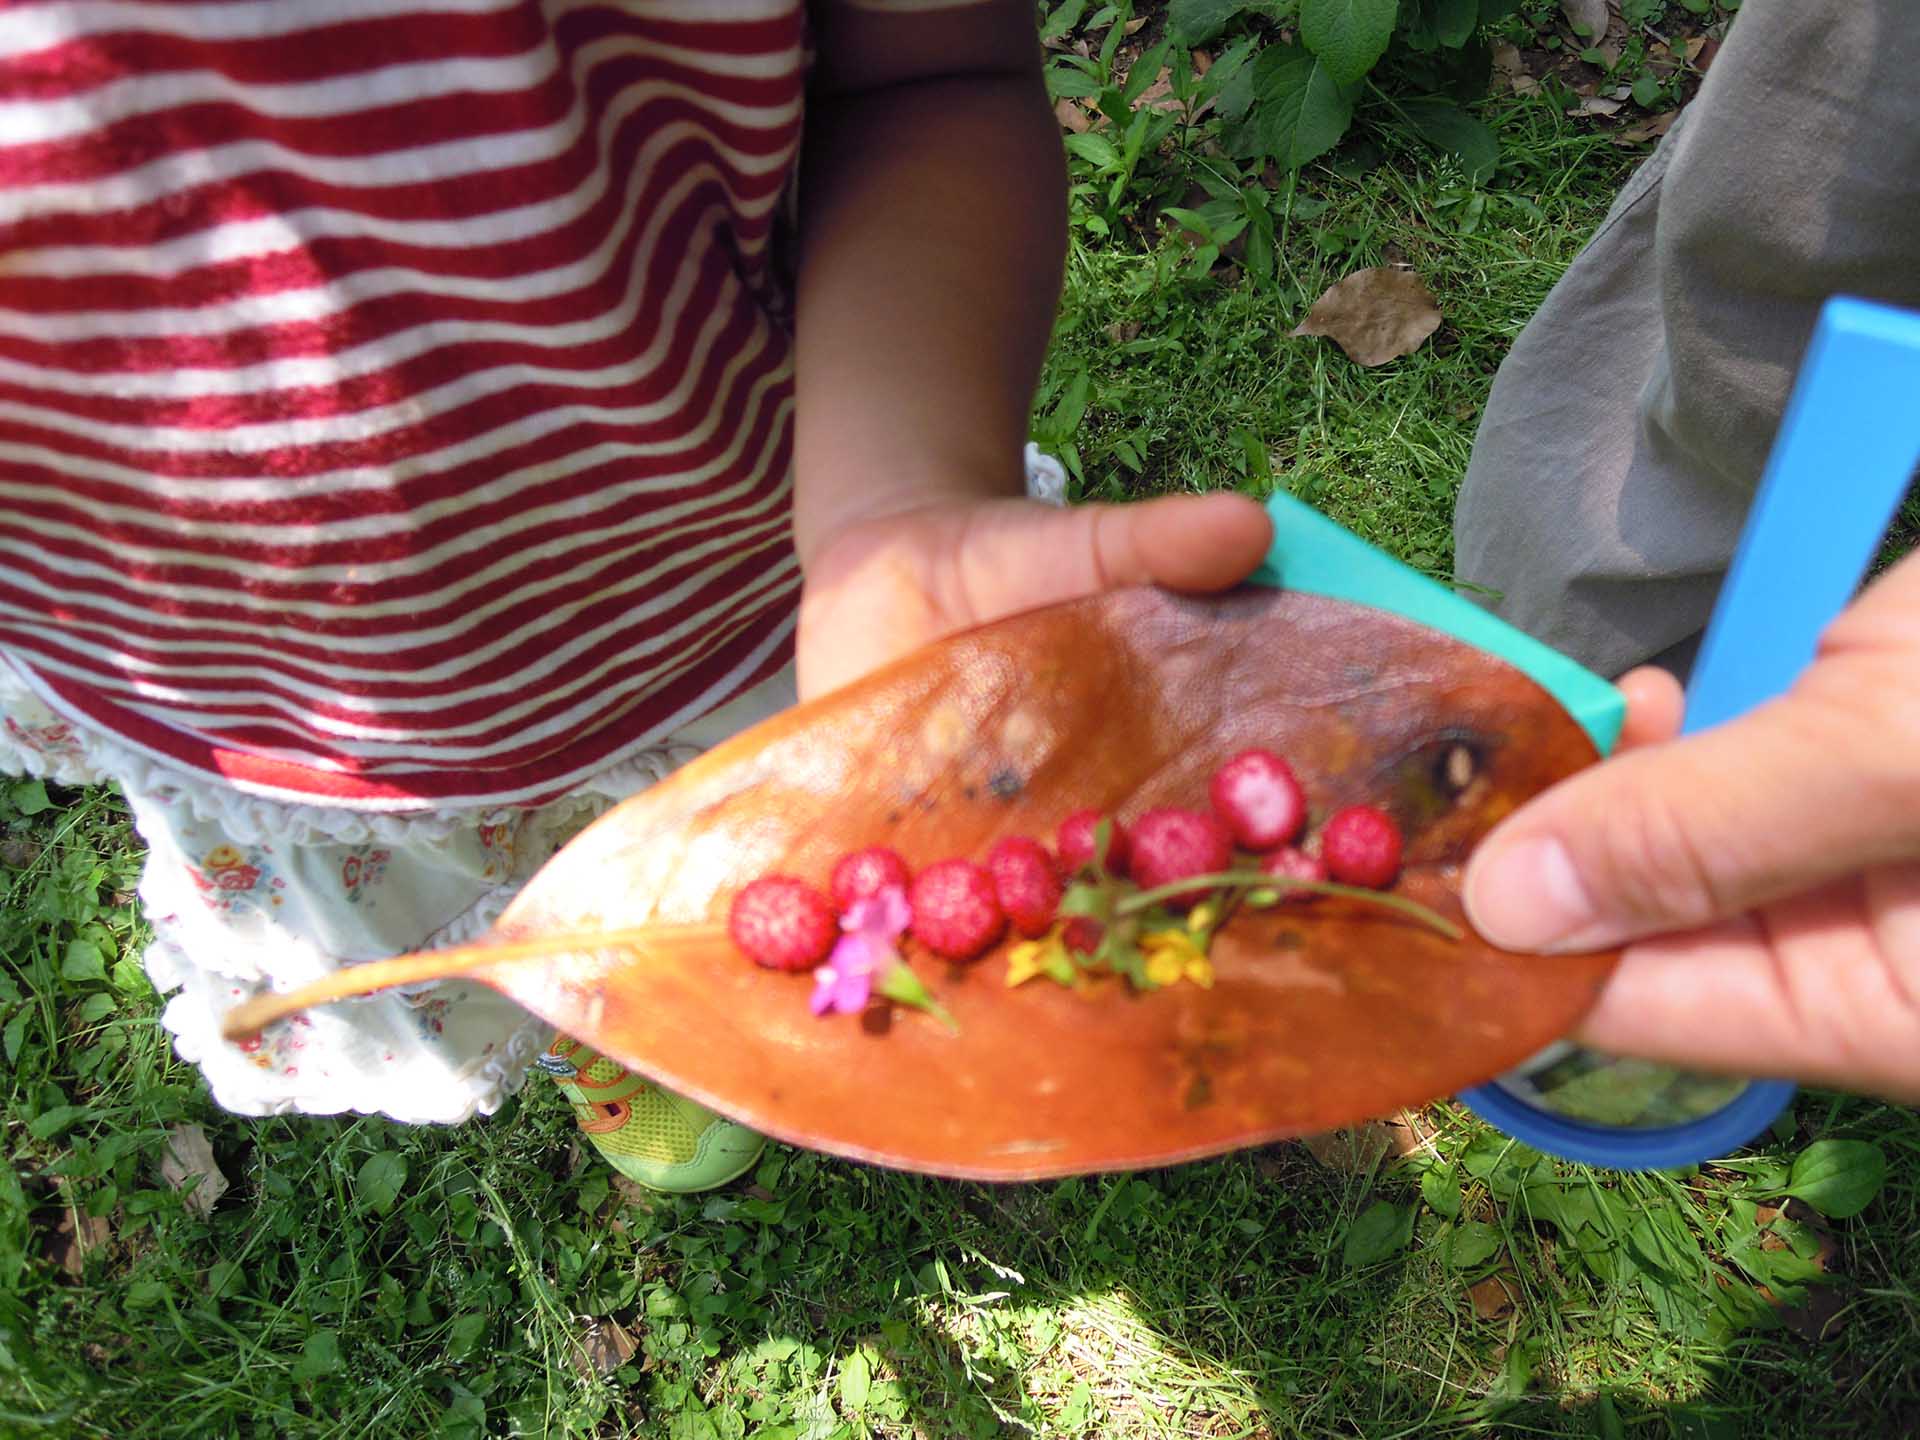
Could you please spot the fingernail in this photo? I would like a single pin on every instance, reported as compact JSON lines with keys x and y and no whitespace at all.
{"x":1528,"y":896}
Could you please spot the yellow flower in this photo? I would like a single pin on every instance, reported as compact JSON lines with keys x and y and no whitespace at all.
{"x":1172,"y":956}
{"x":223,"y":857}
{"x":1045,"y":956}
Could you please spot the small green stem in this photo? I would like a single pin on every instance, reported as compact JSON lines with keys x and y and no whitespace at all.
{"x":1234,"y":879}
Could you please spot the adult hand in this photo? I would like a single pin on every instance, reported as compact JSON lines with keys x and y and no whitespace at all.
{"x":883,"y":587}
{"x":1765,"y":874}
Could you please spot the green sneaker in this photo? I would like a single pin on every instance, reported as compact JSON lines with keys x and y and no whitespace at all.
{"x":652,"y":1136}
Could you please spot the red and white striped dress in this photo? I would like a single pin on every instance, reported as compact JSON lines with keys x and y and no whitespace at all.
{"x":395,"y":413}
{"x":395,"y":400}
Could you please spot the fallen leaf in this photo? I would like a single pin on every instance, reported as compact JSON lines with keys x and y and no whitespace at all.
{"x":1359,"y":1149}
{"x":189,"y":1155}
{"x":1649,"y":129}
{"x":1121,"y":331}
{"x":1595,"y":105}
{"x":17,"y":853}
{"x":603,"y":1348}
{"x":1703,"y":59}
{"x":1609,"y":52}
{"x":1694,"y":47}
{"x":1159,"y":95}
{"x":1356,"y":1150}
{"x":999,"y":731}
{"x":633,"y":1193}
{"x":1587,"y":17}
{"x":1508,"y":66}
{"x":1071,"y":117}
{"x":1134,"y":26}
{"x":77,"y":1236}
{"x":1375,"y":315}
{"x":1493,"y":1298}
{"x":1202,"y":62}
{"x":1526,"y":85}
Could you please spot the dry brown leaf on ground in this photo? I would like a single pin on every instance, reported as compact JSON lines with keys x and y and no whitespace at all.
{"x":76,"y":1236}
{"x":1358,"y":1149}
{"x":1375,"y":315}
{"x":1071,"y":117}
{"x":1493,"y":1297}
{"x":1587,"y":17}
{"x":1650,"y":129}
{"x":1595,"y":105}
{"x":189,"y":1155}
{"x":1159,"y":95}
{"x":602,"y":1347}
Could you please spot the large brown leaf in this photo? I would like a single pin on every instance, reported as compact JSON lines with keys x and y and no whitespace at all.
{"x":1321,"y":1015}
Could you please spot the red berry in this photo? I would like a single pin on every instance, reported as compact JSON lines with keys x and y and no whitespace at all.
{"x":955,"y":913}
{"x":1170,"y":845}
{"x":865,"y":873}
{"x":1082,"y":935}
{"x":1025,"y":883}
{"x":1075,"y":843}
{"x":1361,"y":846}
{"x":1259,"y":801}
{"x":782,"y":923}
{"x":1295,"y":864}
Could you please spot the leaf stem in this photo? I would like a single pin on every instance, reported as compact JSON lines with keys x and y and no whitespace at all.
{"x":1237,"y":879}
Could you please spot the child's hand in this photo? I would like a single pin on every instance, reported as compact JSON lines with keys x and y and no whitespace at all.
{"x":883,"y":587}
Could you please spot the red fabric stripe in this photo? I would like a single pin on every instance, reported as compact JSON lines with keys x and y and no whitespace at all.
{"x":193,"y":126}
{"x":326,"y":52}
{"x":335,"y":257}
{"x":515,"y":759}
{"x":136,"y":549}
{"x":291,"y":724}
{"x":421,"y":789}
{"x":431,"y":369}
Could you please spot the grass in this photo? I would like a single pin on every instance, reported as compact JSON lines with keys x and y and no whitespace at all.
{"x":363,"y":1278}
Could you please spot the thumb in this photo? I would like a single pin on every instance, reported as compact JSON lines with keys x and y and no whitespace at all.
{"x":1675,"y":836}
{"x":1183,"y":542}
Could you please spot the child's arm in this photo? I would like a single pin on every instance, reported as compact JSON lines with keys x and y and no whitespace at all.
{"x":932,"y":204}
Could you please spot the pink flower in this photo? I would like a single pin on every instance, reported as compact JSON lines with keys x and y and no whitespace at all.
{"x":872,"y":925}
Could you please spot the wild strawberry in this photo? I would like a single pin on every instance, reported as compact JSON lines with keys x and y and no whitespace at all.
{"x":782,"y":923}
{"x":955,"y":913}
{"x":1258,"y":800}
{"x":1361,"y":846}
{"x":1170,"y":845}
{"x":1025,"y":884}
{"x":866,"y":872}
{"x":1075,"y":843}
{"x":1292,"y":864}
{"x":1082,"y":935}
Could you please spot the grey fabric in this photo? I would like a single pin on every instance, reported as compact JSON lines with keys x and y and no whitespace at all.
{"x":1629,"y":425}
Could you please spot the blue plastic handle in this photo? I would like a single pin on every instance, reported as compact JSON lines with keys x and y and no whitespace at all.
{"x":1845,"y":454}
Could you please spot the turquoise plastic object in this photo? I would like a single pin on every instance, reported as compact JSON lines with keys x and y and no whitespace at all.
{"x":1844,"y":456}
{"x":1313,"y":554}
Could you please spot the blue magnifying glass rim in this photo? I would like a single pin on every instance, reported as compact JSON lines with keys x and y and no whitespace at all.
{"x":1665,"y":1147}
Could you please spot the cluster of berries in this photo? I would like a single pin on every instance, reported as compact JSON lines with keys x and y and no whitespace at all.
{"x":960,"y":909}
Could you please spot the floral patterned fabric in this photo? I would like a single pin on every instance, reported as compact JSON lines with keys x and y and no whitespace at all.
{"x":248,"y":894}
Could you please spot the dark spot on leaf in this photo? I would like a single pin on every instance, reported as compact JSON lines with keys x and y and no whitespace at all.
{"x":1200,"y":1092}
{"x":968,"y":791}
{"x":1005,"y":783}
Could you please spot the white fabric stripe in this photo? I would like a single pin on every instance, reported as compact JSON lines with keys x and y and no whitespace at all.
{"x":34,"y":122}
{"x":512,"y":484}
{"x":393,"y":728}
{"x":439,"y":161}
{"x":360,"y":426}
{"x":614,"y":319}
{"x":673,"y":521}
{"x":324,"y":681}
{"x":364,"y":742}
{"x":31,"y":27}
{"x":343,"y":292}
{"x":514,"y":795}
